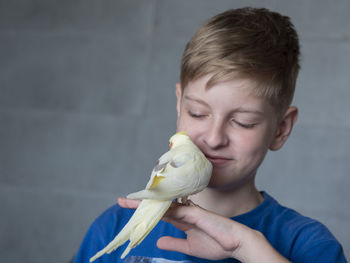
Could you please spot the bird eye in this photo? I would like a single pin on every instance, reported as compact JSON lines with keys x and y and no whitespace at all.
{"x":158,"y":166}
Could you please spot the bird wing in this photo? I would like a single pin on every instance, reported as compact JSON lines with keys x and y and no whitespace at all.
{"x":173,"y":176}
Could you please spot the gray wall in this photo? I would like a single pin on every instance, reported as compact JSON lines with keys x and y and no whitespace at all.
{"x":87,"y":105}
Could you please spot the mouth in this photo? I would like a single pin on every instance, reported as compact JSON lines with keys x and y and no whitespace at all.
{"x":217,"y":160}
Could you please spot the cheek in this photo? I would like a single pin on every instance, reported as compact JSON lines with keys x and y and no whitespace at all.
{"x":252,"y":145}
{"x":180,"y":124}
{"x":184,"y":123}
{"x":191,"y":130}
{"x":187,"y":125}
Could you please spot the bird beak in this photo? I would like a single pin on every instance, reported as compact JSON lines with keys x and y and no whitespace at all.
{"x":170,"y":145}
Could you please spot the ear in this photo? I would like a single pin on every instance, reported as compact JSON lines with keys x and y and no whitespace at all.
{"x":284,"y":128}
{"x":178,"y":92}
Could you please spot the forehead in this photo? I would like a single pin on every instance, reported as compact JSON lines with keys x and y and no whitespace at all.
{"x":237,"y":94}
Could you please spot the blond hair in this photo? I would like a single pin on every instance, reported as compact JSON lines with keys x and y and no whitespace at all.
{"x":253,"y":43}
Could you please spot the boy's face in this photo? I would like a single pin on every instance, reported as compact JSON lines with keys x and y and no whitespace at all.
{"x":232,"y":127}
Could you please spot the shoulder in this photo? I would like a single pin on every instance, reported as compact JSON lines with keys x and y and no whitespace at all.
{"x":102,"y":231}
{"x":294,"y":223}
{"x":109,"y":221}
{"x":304,"y":239}
{"x":106,"y":226}
{"x":114,"y":215}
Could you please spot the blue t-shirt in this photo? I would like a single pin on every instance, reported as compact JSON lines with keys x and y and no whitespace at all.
{"x":298,"y":238}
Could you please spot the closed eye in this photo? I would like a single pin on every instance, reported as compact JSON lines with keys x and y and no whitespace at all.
{"x":196,"y":115}
{"x":246,"y":125}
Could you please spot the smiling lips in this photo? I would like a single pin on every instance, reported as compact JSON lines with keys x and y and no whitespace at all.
{"x":217,"y":160}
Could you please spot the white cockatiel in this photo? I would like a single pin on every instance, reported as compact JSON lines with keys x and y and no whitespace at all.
{"x":180,"y":172}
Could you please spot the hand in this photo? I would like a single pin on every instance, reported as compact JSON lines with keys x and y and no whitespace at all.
{"x":206,"y":232}
{"x":212,"y":236}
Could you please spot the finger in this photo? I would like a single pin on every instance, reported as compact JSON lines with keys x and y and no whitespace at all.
{"x":128,"y":203}
{"x":178,"y":223}
{"x":187,"y":214}
{"x":214,"y":225}
{"x":173,"y":244}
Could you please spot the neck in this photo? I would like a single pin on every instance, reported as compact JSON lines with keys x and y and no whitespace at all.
{"x":229,"y":203}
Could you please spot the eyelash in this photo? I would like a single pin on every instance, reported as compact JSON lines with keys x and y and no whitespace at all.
{"x":243,"y":125}
{"x":196,"y":116}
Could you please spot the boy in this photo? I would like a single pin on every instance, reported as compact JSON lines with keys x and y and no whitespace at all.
{"x":238,"y":76}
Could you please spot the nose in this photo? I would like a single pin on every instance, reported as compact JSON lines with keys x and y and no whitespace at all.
{"x":216,"y":136}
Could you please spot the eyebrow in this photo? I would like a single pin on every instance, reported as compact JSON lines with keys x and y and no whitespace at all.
{"x":196,"y":100}
{"x":243,"y":110}
{"x":239,"y":109}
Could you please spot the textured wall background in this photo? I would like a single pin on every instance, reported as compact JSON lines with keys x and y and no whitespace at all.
{"x":87,"y":105}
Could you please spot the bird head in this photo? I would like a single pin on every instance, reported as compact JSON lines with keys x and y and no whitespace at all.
{"x":178,"y":138}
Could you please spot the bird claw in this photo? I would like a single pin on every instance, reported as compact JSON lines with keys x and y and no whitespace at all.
{"x":187,"y":202}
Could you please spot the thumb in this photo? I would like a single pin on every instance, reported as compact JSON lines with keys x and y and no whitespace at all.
{"x":128,"y":203}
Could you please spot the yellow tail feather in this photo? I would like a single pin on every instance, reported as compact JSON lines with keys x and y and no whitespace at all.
{"x":145,"y":218}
